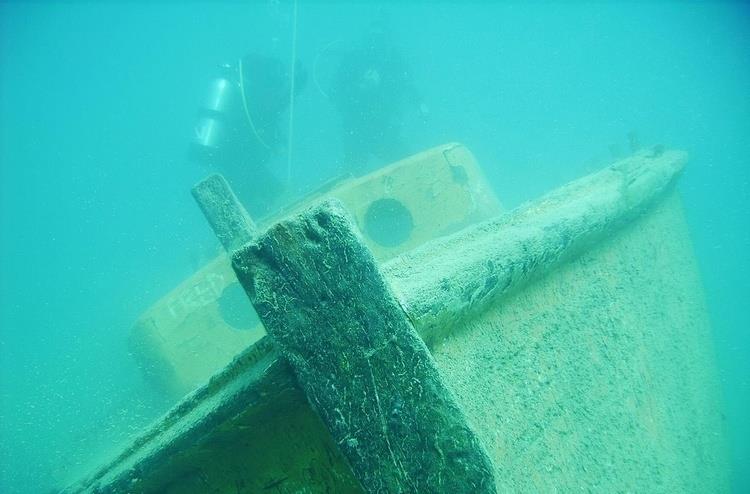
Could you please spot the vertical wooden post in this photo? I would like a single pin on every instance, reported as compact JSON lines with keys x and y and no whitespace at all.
{"x":224,"y":212}
{"x":360,"y":362}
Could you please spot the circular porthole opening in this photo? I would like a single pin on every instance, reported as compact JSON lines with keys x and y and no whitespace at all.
{"x":235,"y":308}
{"x":388,"y":222}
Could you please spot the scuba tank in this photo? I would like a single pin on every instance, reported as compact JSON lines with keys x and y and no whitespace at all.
{"x":229,"y":140}
{"x":225,"y":126}
{"x":218,"y":118}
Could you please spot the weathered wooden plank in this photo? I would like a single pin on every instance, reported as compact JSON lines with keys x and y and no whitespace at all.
{"x":228,"y":218}
{"x":438,"y":288}
{"x":360,"y":362}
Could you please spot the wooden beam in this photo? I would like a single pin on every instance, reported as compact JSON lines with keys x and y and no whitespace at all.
{"x":228,"y":218}
{"x":451,"y":279}
{"x":360,"y":362}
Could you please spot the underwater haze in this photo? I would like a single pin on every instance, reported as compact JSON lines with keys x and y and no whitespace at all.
{"x":98,"y":106}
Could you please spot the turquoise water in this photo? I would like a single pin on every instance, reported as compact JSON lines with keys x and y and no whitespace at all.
{"x":98,"y":102}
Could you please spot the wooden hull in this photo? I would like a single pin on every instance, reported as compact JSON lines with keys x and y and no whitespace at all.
{"x":573,"y":333}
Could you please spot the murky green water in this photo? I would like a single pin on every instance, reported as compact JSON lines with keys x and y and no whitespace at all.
{"x":98,"y":105}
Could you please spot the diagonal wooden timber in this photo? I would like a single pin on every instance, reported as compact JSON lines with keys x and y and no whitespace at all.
{"x":439,"y":285}
{"x":224,"y":212}
{"x":363,"y":367}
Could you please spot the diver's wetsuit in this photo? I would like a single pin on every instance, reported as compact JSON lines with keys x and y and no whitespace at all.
{"x":256,"y":134}
{"x":372,"y":90}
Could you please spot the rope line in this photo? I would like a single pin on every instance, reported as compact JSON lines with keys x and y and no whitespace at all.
{"x":291,"y":97}
{"x":247,"y":112}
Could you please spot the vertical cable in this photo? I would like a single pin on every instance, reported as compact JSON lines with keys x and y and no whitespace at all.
{"x":291,"y":97}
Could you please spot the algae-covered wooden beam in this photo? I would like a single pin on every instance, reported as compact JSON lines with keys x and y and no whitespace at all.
{"x":448,"y":280}
{"x":228,"y":218}
{"x":360,"y":362}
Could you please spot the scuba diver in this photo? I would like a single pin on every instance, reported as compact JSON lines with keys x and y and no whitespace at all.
{"x":239,"y":127}
{"x":372,"y":90}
